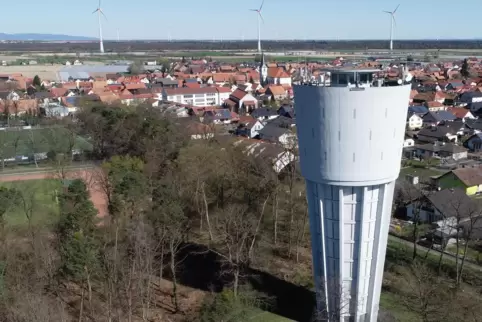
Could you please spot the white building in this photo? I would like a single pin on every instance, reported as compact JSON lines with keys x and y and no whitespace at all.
{"x":414,"y":122}
{"x":204,"y":96}
{"x":351,"y":135}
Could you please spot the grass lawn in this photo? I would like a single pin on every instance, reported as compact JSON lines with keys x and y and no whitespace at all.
{"x":423,"y":173}
{"x":39,"y":140}
{"x":391,"y":303}
{"x":40,"y":195}
{"x":264,"y":316}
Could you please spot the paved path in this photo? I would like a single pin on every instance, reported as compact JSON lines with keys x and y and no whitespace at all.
{"x":447,"y":256}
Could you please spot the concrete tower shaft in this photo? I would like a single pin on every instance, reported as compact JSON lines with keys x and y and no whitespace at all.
{"x":350,"y":141}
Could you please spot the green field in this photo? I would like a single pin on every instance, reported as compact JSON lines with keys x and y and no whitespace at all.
{"x":39,"y":140}
{"x":265,"y":316}
{"x":423,"y":173}
{"x":38,"y":195}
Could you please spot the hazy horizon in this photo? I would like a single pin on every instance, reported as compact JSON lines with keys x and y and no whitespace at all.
{"x":284,"y":20}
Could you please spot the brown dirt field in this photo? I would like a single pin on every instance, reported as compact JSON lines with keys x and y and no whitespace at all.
{"x":91,"y":177}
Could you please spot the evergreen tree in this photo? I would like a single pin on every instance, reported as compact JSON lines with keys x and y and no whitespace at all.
{"x":36,"y":81}
{"x":464,"y":71}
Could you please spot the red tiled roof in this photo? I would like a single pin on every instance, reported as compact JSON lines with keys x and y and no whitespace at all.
{"x":459,"y":112}
{"x":238,"y":94}
{"x":276,"y":72}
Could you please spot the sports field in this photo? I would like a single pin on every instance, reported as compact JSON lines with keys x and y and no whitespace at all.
{"x":39,"y":198}
{"x":39,"y":140}
{"x":40,"y":190}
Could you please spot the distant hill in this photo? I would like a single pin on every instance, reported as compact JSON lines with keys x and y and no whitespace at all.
{"x":39,"y":37}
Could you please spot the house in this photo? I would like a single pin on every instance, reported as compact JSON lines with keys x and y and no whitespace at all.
{"x":277,"y":92}
{"x":279,"y":157}
{"x":440,"y":150}
{"x":217,"y":116}
{"x":264,"y":114}
{"x":471,"y":100}
{"x":167,"y":82}
{"x":420,"y":110}
{"x":414,"y":122}
{"x":282,"y":121}
{"x":204,"y":96}
{"x":276,"y":134}
{"x":469,"y":179}
{"x":474,"y":142}
{"x":250,"y":129}
{"x":287,"y":111}
{"x":408,"y":142}
{"x":437,"y":133}
{"x":278,"y":76}
{"x":435,"y":118}
{"x":241,"y":102}
{"x":9,"y":96}
{"x":444,"y":205}
{"x":461,"y":113}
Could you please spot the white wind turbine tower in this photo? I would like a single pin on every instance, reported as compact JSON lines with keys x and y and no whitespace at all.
{"x":260,"y":19}
{"x":392,"y":23}
{"x":100,"y":13}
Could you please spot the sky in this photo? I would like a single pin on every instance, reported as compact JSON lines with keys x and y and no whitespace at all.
{"x":227,"y":19}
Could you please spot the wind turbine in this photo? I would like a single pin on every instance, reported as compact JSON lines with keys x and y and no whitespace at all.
{"x":100,"y":13}
{"x":392,"y":22}
{"x":260,"y":19}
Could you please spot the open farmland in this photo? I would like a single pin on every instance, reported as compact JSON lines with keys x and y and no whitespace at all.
{"x":47,"y":72}
{"x":27,"y":142}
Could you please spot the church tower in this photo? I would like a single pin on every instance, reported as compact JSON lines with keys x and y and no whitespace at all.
{"x":263,"y":71}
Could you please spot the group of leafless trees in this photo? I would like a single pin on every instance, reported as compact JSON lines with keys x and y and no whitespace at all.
{"x":164,"y":193}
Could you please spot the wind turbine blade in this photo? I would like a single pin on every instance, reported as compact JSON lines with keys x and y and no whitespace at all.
{"x":394,"y":20}
{"x":396,"y":9}
{"x":95,"y":11}
{"x":253,"y":10}
{"x":100,"y":2}
{"x":261,"y":7}
{"x":261,"y":16}
{"x":387,"y":12}
{"x":102,"y":12}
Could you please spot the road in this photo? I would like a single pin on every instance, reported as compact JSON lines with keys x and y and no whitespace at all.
{"x":447,"y":256}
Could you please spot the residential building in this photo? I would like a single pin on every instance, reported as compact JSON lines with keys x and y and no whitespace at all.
{"x":264,"y":114}
{"x":277,"y":92}
{"x":204,"y":96}
{"x":461,"y":113}
{"x":437,"y":133}
{"x":442,"y":206}
{"x":278,"y":76}
{"x":414,"y":122}
{"x":474,"y":143}
{"x":469,"y":179}
{"x":241,"y":102}
{"x":435,"y":118}
{"x":440,"y":150}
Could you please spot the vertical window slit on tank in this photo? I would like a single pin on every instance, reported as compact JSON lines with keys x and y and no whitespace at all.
{"x":386,"y":112}
{"x":339,"y":135}
{"x":304,"y":151}
{"x":353,"y":157}
{"x":354,"y":113}
{"x":394,"y":132}
{"x":313,"y":132}
{"x":370,"y":135}
{"x":325,"y":156}
{"x":381,"y":155}
{"x":323,"y":112}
